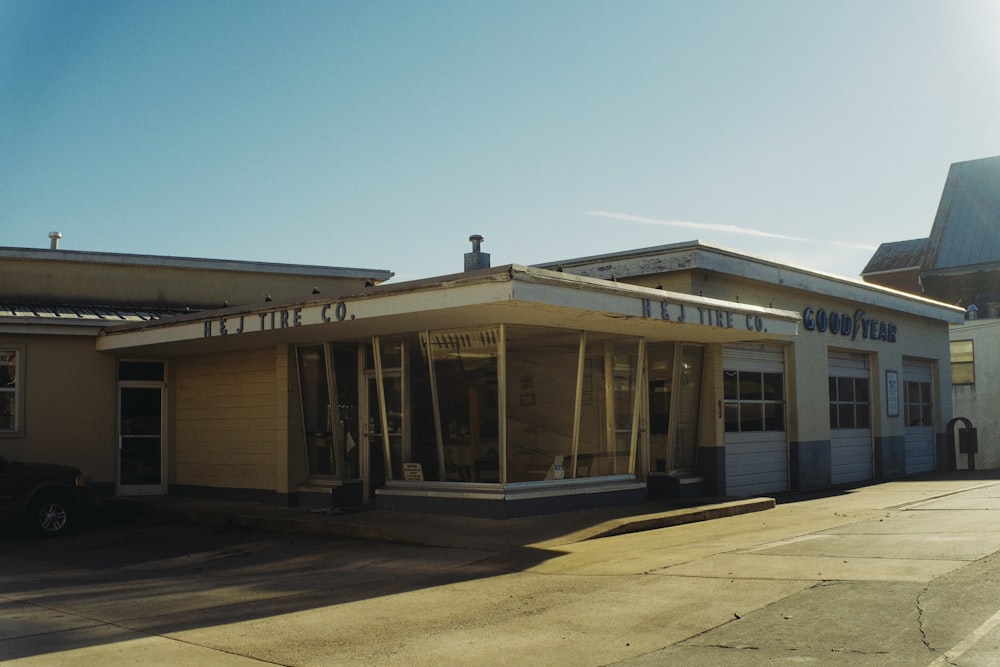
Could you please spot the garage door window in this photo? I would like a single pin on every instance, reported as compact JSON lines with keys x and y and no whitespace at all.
{"x":755,"y":401}
{"x":850,"y":402}
{"x":917,"y":403}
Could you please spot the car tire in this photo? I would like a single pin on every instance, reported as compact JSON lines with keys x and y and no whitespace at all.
{"x":50,"y":515}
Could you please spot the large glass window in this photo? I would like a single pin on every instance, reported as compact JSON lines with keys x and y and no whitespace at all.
{"x":754,"y":401}
{"x":850,"y":402}
{"x":465,"y":367}
{"x":8,"y":390}
{"x":546,"y":375}
{"x":963,"y":362}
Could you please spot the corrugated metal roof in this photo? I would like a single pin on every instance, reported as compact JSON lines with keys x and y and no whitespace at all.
{"x":77,"y":313}
{"x":896,"y":255}
{"x":966,"y":230}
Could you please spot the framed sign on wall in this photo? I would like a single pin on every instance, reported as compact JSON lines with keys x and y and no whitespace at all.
{"x":892,"y":393}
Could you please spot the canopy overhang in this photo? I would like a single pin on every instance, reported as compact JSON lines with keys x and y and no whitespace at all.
{"x":512,"y":294}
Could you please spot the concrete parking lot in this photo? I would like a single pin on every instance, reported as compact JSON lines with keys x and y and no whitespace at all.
{"x":903,"y":573}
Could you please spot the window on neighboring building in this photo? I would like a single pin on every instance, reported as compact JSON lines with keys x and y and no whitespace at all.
{"x":963,"y":367}
{"x":917,"y":403}
{"x":850,"y":402}
{"x":8,"y":390}
{"x":755,"y":401}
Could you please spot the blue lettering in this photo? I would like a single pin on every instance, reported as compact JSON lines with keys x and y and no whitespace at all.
{"x":807,"y":319}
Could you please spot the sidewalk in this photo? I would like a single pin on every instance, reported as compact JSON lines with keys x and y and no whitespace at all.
{"x":431,"y":529}
{"x":518,"y":533}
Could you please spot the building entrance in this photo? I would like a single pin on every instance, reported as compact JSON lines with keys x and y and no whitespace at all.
{"x":141,"y":454}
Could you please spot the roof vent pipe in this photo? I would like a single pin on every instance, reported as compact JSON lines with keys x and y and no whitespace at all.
{"x":54,"y":240}
{"x":476,"y":259}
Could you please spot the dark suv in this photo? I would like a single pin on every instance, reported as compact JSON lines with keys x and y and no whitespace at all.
{"x":48,"y":497}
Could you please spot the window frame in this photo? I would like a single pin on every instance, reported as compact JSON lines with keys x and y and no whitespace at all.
{"x":771,"y":410}
{"x":966,"y":367}
{"x":17,"y":413}
{"x":918,"y":401}
{"x":841,"y":405}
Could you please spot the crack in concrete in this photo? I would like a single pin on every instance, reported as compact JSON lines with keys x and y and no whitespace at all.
{"x":920,"y":620}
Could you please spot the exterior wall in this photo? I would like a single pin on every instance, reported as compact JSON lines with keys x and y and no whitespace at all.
{"x":92,"y":278}
{"x":227,"y":424}
{"x":69,"y":407}
{"x":978,"y":402}
{"x":807,"y":370}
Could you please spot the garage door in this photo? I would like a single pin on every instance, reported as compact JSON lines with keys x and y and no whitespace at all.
{"x":754,"y":410}
{"x":918,"y":410}
{"x":850,"y":418}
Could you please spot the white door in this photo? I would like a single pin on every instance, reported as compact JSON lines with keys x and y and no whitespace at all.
{"x":851,"y":457}
{"x":918,"y":410}
{"x":754,"y":410}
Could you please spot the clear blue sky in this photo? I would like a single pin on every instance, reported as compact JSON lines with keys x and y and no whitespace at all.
{"x":382,"y":134}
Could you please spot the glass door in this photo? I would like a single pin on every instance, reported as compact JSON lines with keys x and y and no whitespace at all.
{"x":688,"y":407}
{"x":385,"y":437}
{"x":141,"y":454}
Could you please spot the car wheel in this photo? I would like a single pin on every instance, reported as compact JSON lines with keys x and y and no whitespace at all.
{"x":50,"y":516}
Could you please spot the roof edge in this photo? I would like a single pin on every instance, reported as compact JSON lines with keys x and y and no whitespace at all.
{"x":164,"y":261}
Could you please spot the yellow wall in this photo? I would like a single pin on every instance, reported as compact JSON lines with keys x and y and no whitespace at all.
{"x":227,"y":421}
{"x":69,"y":405}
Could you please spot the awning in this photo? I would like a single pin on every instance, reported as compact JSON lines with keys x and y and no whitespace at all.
{"x":511,"y":294}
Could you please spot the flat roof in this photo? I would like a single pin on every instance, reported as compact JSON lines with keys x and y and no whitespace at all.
{"x":706,"y":256}
{"x":161,"y":261}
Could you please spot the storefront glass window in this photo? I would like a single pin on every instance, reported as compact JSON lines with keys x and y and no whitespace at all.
{"x":541,"y":398}
{"x":543,"y":367}
{"x":465,"y":374}
{"x":8,"y":390}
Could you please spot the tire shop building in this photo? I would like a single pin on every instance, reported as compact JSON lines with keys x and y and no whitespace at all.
{"x":683,"y":370}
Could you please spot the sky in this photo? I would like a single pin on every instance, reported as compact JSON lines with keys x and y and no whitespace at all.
{"x":381,"y":135}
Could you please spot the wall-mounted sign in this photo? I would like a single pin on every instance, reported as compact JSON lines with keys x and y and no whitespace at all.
{"x":844,"y":324}
{"x":892,"y":393}
{"x":712,"y":317}
{"x":276,"y":319}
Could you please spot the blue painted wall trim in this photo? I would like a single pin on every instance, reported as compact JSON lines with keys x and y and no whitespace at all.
{"x":712,"y":467}
{"x":890,"y":457}
{"x":809,"y":465}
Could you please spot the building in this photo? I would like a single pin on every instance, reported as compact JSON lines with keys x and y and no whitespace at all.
{"x":685,"y":369}
{"x":959,"y":263}
{"x":62,"y":397}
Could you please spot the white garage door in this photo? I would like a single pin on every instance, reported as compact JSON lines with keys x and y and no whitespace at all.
{"x":754,"y":409}
{"x":918,"y":410}
{"x":850,"y":418}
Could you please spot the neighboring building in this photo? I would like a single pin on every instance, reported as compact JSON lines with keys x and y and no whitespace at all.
{"x":61,"y":397}
{"x":959,"y":263}
{"x":685,"y":369}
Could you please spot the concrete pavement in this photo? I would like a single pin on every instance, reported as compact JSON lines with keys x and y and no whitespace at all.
{"x":435,"y":530}
{"x":903,"y":573}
